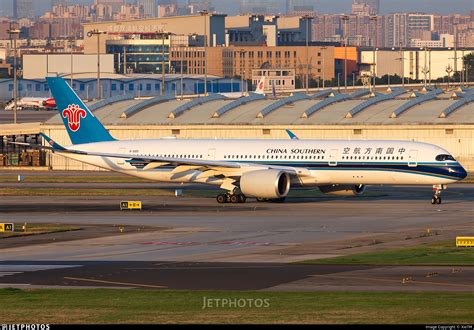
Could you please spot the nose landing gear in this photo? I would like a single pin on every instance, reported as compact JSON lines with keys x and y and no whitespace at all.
{"x":437,"y":189}
{"x":436,"y":199}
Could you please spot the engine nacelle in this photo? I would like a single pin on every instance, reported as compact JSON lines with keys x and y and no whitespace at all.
{"x":270,"y":184}
{"x":343,"y":190}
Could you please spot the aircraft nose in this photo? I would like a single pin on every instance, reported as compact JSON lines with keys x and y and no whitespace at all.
{"x":462,"y":172}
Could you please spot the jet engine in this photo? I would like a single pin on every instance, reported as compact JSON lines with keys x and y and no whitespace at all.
{"x":270,"y":184}
{"x":343,"y":190}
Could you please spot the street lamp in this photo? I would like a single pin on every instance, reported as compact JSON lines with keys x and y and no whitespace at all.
{"x":324,"y":53}
{"x":242,"y":56}
{"x":374,"y":75}
{"x":455,"y":48}
{"x":345,"y":18}
{"x":14,"y":32}
{"x":449,"y":70}
{"x":425,"y":69}
{"x":97,"y":33}
{"x":402,"y":64}
{"x":204,"y":13}
{"x":71,"y":43}
{"x":429,"y":67}
{"x":306,"y":17}
{"x":181,"y":48}
{"x":163,"y":35}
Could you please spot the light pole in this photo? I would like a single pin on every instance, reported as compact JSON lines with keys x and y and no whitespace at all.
{"x":14,"y":32}
{"x":429,"y":65}
{"x":97,"y":33}
{"x":71,"y":42}
{"x":306,"y":17}
{"x":125,"y":59}
{"x":163,"y":36}
{"x":467,"y":67}
{"x":449,"y":70}
{"x":425,"y":70}
{"x":455,"y":48}
{"x":324,"y":53}
{"x":181,"y":68}
{"x":242,"y":71}
{"x":204,"y":13}
{"x":374,"y":74}
{"x":402,"y":64}
{"x":345,"y":18}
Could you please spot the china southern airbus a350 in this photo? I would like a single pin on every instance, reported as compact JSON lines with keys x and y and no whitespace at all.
{"x":265,"y":169}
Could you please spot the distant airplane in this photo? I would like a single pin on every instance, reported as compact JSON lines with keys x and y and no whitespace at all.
{"x":265,"y":169}
{"x":33,"y":103}
{"x":259,"y":89}
{"x":50,"y":103}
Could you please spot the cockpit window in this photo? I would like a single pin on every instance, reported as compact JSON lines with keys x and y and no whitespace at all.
{"x":442,"y":158}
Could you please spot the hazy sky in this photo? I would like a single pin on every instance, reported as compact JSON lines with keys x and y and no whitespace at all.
{"x":322,"y":6}
{"x":387,"y":6}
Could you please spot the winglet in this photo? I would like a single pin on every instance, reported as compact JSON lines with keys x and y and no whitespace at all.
{"x":52,"y":143}
{"x":292,"y":135}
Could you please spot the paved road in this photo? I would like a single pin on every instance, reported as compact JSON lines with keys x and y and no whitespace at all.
{"x":265,"y":237}
{"x":234,"y":276}
{"x":202,"y":230}
{"x":26,"y":116}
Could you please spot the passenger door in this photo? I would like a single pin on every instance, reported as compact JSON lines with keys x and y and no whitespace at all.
{"x":211,"y":154}
{"x":333,"y":157}
{"x":121,"y":161}
{"x":413,"y":158}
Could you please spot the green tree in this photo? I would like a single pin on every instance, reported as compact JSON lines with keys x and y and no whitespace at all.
{"x":469,"y":65}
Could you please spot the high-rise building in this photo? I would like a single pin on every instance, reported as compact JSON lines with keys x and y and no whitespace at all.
{"x":400,"y":28}
{"x":200,"y":5}
{"x":23,"y":9}
{"x":361,"y":9}
{"x":264,"y":7}
{"x":300,"y":7}
{"x":167,"y":9}
{"x":60,"y":2}
{"x":115,"y":4}
{"x":149,"y":7}
{"x":374,"y":5}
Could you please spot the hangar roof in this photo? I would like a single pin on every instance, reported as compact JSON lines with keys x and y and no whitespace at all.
{"x":336,"y":113}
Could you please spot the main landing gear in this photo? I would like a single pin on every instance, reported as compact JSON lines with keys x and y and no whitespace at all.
{"x":437,"y":189}
{"x":231,"y":198}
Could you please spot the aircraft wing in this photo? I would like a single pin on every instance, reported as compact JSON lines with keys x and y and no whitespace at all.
{"x":182,"y":164}
{"x":149,"y":162}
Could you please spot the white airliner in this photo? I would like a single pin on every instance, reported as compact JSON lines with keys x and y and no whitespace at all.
{"x":265,"y":169}
{"x":34,"y":103}
{"x":259,"y":89}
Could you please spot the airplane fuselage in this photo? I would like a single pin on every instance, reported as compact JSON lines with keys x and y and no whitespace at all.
{"x":322,"y":161}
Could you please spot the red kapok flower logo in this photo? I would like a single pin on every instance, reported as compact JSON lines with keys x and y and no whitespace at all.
{"x":73,"y":113}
